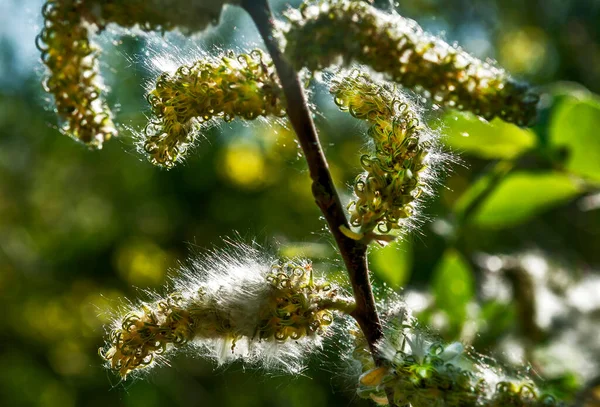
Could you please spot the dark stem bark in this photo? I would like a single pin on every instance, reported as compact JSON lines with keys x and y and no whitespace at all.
{"x":354,"y":253}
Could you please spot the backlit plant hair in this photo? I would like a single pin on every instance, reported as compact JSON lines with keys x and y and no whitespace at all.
{"x":233,"y":86}
{"x":242,"y":303}
{"x":393,"y":181}
{"x":234,"y":303}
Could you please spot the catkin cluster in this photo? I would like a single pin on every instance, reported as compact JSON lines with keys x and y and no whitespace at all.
{"x":394,"y":172}
{"x":241,"y":308}
{"x":244,"y":86}
{"x":322,"y":31}
{"x":72,"y":60}
{"x":423,"y":373}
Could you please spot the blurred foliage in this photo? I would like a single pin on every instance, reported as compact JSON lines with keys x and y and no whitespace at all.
{"x":506,"y":257}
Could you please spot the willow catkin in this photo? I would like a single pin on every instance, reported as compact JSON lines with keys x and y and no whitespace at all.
{"x":396,"y":169}
{"x":243,"y":85}
{"x":322,"y":31}
{"x":231,"y":304}
{"x":73,"y":77}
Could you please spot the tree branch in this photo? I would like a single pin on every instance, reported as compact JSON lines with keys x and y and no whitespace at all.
{"x":354,"y":253}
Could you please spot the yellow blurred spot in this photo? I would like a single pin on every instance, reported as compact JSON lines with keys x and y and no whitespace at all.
{"x":592,"y":397}
{"x":523,"y":50}
{"x":374,"y":377}
{"x":244,"y":165}
{"x":142,"y":263}
{"x":306,"y":250}
{"x":381,"y":400}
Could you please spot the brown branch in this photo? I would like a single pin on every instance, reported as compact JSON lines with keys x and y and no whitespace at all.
{"x":354,"y":253}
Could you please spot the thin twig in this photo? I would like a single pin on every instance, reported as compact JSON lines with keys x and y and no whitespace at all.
{"x":354,"y":253}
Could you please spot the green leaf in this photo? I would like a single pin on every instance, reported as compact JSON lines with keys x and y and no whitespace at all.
{"x":392,"y":263}
{"x":568,"y":90}
{"x":480,"y":190}
{"x":576,"y":126}
{"x":490,"y":140}
{"x":453,"y":286}
{"x":522,"y":195}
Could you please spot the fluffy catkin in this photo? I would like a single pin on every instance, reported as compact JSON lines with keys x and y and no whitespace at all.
{"x":397,"y":168}
{"x":231,"y":86}
{"x":322,"y":31}
{"x":231,"y":304}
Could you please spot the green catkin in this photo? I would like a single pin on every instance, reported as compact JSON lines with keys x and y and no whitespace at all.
{"x":425,"y":374}
{"x":72,"y":59}
{"x":322,"y":31}
{"x":388,"y":190}
{"x":243,"y":86}
{"x":293,"y":305}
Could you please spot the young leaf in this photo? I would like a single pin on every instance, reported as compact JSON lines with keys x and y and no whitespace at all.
{"x":392,"y":263}
{"x":465,"y":133}
{"x":453,"y":286}
{"x":523,"y":195}
{"x":575,"y":126}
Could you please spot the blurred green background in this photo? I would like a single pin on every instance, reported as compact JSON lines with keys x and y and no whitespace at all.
{"x":506,"y":258}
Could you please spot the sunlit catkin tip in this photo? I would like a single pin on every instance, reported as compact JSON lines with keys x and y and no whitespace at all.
{"x":243,"y":85}
{"x":322,"y":31}
{"x":235,"y":304}
{"x":395,"y":172}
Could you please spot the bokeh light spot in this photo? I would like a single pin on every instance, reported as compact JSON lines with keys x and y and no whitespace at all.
{"x":142,"y":263}
{"x":244,"y":166}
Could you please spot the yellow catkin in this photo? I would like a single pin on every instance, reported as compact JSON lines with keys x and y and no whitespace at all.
{"x":73,"y":74}
{"x":233,"y":86}
{"x":290,"y":304}
{"x":392,"y":182}
{"x":325,"y":30}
